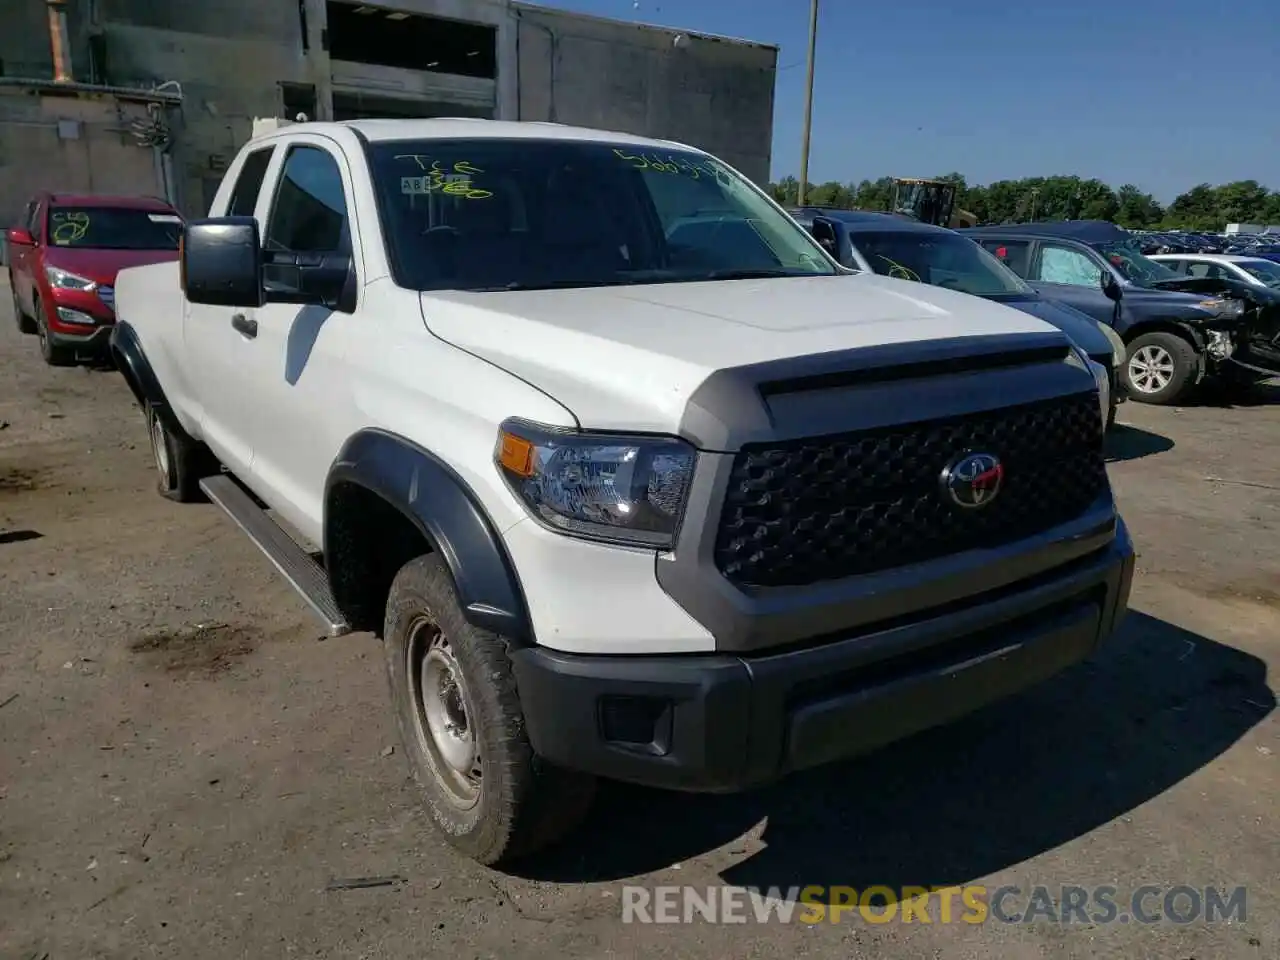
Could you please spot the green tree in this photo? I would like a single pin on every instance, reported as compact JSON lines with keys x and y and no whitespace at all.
{"x":1066,"y":197}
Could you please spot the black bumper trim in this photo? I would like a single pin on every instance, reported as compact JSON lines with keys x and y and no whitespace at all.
{"x":729,"y":722}
{"x":94,"y":340}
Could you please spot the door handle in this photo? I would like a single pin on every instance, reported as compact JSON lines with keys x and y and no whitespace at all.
{"x":244,"y":325}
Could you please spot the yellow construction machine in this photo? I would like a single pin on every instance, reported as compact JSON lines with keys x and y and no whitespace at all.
{"x":930,"y":201}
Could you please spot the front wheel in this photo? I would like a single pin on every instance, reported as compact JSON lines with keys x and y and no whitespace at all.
{"x":51,"y":353}
{"x":462,"y":727}
{"x":1160,"y":368}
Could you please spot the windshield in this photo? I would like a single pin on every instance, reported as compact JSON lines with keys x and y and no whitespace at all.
{"x":494,"y":214}
{"x":114,"y":228}
{"x":1126,"y":256}
{"x":1265,"y":270}
{"x":942,"y":259}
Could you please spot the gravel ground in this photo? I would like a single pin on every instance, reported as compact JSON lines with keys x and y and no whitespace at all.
{"x":186,"y":765}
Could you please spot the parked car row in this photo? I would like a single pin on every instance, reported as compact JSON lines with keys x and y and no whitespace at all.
{"x":63,"y":260}
{"x":1179,"y":242}
{"x":1264,"y":246}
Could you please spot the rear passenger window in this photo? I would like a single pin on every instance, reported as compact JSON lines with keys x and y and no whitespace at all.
{"x":35,"y":220}
{"x":309,"y":214}
{"x":1012,"y":253}
{"x":244,"y":196}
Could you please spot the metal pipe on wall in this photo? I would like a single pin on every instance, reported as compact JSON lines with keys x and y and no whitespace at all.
{"x":58,"y":40}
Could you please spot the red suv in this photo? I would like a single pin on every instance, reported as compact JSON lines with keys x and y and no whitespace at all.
{"x":63,"y":262}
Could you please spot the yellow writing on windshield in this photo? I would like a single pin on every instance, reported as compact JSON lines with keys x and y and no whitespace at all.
{"x":651,"y":161}
{"x":898,"y":271}
{"x":452,"y":181}
{"x":69,"y":227}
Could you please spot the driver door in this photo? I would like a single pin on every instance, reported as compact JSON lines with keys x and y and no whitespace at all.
{"x":1069,"y":274}
{"x":296,"y":383}
{"x":215,"y":376}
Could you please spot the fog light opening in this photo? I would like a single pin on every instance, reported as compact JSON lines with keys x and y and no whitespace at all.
{"x":640,"y":724}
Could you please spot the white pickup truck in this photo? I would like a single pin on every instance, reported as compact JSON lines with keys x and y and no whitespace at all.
{"x":633,"y":480}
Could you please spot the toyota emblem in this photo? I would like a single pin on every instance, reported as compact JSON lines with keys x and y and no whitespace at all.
{"x":973,"y":480}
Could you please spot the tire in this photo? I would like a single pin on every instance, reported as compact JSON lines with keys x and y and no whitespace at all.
{"x":180,"y":462}
{"x":25,"y":323}
{"x":1160,"y":368}
{"x":1111,"y":411}
{"x":54,"y":356}
{"x":488,"y":793}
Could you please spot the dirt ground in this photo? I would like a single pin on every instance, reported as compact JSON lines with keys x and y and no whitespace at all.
{"x":186,"y":765}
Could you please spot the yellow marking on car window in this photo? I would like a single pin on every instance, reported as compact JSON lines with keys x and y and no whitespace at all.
{"x":454,"y":182}
{"x":898,"y":271}
{"x":69,"y":227}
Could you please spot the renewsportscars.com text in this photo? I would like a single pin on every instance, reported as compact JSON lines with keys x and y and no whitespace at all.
{"x":1063,"y":904}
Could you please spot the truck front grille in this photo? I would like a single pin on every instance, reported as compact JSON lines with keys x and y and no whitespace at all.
{"x":821,"y":508}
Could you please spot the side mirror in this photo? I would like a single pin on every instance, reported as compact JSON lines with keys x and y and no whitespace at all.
{"x":317,"y":279}
{"x":220,"y":262}
{"x":20,"y":237}
{"x":826,"y":232}
{"x":1109,"y":286}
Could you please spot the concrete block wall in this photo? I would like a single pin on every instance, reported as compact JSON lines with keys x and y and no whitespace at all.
{"x":712,"y":93}
{"x":229,"y":56}
{"x":92,"y":153}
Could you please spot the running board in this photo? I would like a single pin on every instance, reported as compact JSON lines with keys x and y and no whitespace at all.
{"x":303,"y":573}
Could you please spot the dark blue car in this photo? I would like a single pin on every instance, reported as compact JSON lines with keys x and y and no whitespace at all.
{"x":905,"y":248}
{"x":1177,"y":329}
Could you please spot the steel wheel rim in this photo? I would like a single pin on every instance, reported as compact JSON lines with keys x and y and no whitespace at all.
{"x":444,"y":718}
{"x":1151,"y":369}
{"x":159,"y":449}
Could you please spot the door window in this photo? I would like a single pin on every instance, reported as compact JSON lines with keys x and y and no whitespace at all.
{"x":244,"y":195}
{"x":309,"y":214}
{"x":1012,"y":253}
{"x":35,"y":221}
{"x":1214,"y":271}
{"x":1069,"y":266}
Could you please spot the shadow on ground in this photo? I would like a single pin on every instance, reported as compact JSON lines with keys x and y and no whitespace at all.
{"x":1126,"y":442}
{"x":1215,"y":393}
{"x":962,"y":802}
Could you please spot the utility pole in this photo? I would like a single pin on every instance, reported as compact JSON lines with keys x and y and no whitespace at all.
{"x":808,"y":103}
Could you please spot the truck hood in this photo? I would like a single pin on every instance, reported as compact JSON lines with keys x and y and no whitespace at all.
{"x":629,"y":357}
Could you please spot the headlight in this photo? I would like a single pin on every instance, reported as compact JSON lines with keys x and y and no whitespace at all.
{"x":1227,"y":309}
{"x":620,"y":489}
{"x":67,"y":281}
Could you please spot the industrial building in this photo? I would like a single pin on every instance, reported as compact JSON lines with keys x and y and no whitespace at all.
{"x":156,"y":96}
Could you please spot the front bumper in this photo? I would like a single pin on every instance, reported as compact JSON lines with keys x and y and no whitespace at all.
{"x":720,"y":723}
{"x":88,"y":338}
{"x":92,"y":341}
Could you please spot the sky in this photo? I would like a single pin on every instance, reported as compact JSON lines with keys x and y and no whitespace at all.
{"x":1163,"y":94}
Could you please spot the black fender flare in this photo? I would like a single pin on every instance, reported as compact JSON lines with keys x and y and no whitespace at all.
{"x":126,"y":350}
{"x":432,"y":496}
